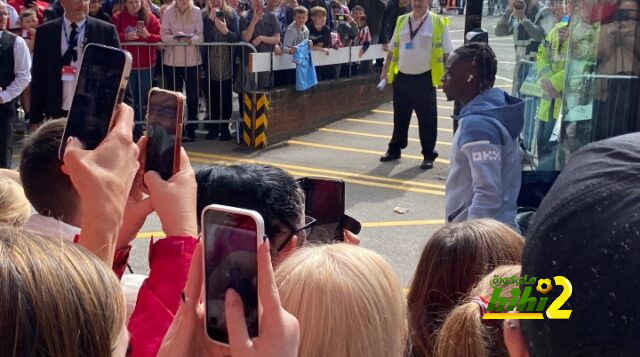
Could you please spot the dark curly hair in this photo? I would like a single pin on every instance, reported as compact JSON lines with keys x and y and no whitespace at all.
{"x":483,"y":60}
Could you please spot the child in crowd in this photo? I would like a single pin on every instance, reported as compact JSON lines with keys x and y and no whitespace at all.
{"x":464,"y":333}
{"x":363,"y":38}
{"x":320,"y":36}
{"x":297,"y":31}
{"x":453,"y":260}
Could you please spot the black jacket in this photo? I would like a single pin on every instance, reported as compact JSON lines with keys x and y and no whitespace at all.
{"x":46,"y":82}
{"x":389,"y":19}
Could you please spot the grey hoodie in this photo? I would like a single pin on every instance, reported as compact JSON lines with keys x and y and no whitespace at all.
{"x":485,"y":175}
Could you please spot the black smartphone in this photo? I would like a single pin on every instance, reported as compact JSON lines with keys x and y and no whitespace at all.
{"x":100,"y":86}
{"x":220,"y":15}
{"x":231,"y":238}
{"x":340,"y":18}
{"x":164,"y":132}
{"x":324,"y":201}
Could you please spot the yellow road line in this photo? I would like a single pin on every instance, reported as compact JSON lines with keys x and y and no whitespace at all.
{"x":513,"y":316}
{"x":425,"y":222}
{"x":403,"y":223}
{"x":388,"y":123}
{"x":317,"y":171}
{"x":381,"y":111}
{"x":357,"y":133}
{"x":363,"y":151}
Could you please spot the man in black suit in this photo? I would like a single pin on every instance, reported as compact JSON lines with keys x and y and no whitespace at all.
{"x":58,"y":47}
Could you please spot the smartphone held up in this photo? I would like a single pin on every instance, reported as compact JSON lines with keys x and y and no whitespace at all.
{"x":100,"y":85}
{"x":164,"y":132}
{"x":231,"y":238}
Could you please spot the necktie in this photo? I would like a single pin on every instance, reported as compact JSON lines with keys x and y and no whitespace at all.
{"x":71,"y":54}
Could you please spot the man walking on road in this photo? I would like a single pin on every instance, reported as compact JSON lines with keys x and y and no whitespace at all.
{"x":419,"y":48}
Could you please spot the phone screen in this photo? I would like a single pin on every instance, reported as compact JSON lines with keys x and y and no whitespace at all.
{"x":230,"y":243}
{"x":162,"y":132}
{"x":95,"y":96}
{"x":324,"y":201}
{"x":340,"y":17}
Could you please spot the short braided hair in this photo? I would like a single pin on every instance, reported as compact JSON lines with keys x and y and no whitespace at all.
{"x":484,"y":60}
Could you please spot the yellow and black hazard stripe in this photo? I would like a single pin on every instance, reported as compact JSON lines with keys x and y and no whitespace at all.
{"x":255,"y":120}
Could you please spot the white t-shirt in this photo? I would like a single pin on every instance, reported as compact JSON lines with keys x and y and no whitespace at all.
{"x":416,"y":57}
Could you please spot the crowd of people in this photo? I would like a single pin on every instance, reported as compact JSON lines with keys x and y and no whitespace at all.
{"x":557,"y":43}
{"x":163,"y":38}
{"x":62,"y":268}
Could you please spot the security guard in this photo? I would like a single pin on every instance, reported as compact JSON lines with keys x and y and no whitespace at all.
{"x":420,"y":46}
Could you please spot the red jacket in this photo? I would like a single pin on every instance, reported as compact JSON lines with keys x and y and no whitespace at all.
{"x":143,"y":56}
{"x":159,"y":296}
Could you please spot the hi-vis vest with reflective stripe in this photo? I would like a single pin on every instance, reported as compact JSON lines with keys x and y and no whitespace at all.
{"x":437,"y":53}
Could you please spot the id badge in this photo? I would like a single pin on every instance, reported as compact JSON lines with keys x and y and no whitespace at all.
{"x":68,"y":73}
{"x":409,"y":46}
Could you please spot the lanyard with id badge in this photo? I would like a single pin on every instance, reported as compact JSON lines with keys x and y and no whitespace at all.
{"x":412,"y":33}
{"x":68,"y":72}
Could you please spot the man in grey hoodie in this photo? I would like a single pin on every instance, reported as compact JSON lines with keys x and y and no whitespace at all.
{"x":485,"y":175}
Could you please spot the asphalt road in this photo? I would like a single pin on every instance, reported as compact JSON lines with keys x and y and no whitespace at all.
{"x":349,"y":149}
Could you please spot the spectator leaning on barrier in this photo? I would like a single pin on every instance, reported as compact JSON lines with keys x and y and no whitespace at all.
{"x":420,"y":46}
{"x":59,"y":46}
{"x":135,"y":23}
{"x":15,"y":62}
{"x":484,"y":179}
{"x":320,"y":36}
{"x":375,"y":11}
{"x":297,"y":31}
{"x":262,"y":29}
{"x":218,"y":64}
{"x":181,"y":29}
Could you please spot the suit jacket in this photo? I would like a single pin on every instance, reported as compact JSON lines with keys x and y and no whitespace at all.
{"x":46,"y":82}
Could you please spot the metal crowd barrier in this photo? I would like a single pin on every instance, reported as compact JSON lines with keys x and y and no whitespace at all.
{"x":168,"y":75}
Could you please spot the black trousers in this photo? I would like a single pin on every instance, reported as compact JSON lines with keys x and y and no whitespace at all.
{"x":7,"y":116}
{"x":220,"y":105}
{"x":174,"y":78}
{"x":415,"y":92}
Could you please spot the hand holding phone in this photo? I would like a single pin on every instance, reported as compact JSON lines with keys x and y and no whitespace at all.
{"x":100,"y":85}
{"x":324,"y":201}
{"x":164,"y":132}
{"x":340,"y":17}
{"x":220,"y":15}
{"x":231,"y":238}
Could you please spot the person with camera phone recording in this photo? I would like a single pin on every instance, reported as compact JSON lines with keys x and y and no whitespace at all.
{"x":528,"y":22}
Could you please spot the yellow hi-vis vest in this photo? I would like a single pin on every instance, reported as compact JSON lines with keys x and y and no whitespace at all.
{"x":437,"y":53}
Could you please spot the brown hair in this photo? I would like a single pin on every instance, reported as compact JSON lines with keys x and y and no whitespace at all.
{"x":453,"y":260}
{"x":57,"y":299}
{"x":28,"y":12}
{"x":464,"y":333}
{"x":357,"y":8}
{"x":300,"y":10}
{"x":318,"y":10}
{"x":49,"y":190}
{"x":143,"y":13}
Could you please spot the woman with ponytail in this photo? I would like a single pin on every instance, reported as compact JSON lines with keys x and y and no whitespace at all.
{"x":464,"y":332}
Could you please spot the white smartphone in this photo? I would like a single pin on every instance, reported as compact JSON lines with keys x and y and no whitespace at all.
{"x":100,"y":86}
{"x":231,"y":238}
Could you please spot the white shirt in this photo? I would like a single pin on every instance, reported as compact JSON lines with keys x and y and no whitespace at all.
{"x":69,"y":87}
{"x":21,"y":69}
{"x":417,"y":60}
{"x":51,"y":227}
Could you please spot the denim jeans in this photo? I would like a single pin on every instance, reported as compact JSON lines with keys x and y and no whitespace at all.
{"x":140,"y":82}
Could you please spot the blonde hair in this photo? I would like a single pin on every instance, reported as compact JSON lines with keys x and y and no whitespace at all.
{"x":14,"y":206}
{"x":57,"y":298}
{"x":318,"y":10}
{"x":347,"y":299}
{"x":464,"y":332}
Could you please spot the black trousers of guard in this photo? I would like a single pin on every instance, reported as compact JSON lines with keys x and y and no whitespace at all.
{"x":415,"y":92}
{"x":7,"y":116}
